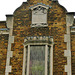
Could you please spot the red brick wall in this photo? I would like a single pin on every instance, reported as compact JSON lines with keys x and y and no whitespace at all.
{"x":73,"y":52}
{"x":3,"y":52}
{"x":3,"y":24}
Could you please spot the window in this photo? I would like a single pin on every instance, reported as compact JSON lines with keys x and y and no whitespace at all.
{"x":38,"y":56}
{"x":37,"y":60}
{"x":39,"y":15}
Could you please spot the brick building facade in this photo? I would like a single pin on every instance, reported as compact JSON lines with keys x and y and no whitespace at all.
{"x":38,"y":39}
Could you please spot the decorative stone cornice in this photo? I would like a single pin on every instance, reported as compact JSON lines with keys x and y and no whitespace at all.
{"x":38,"y":39}
{"x":40,"y":4}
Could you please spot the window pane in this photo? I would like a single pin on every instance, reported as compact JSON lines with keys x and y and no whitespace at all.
{"x":48,"y":60}
{"x":37,"y":60}
{"x":26,"y":60}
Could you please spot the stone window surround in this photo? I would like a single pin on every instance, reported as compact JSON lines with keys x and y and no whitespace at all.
{"x":39,"y":24}
{"x":46,"y":49}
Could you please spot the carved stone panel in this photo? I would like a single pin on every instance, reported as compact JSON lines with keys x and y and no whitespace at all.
{"x":39,"y":16}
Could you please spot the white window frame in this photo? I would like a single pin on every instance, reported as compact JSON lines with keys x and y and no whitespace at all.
{"x":46,"y":55}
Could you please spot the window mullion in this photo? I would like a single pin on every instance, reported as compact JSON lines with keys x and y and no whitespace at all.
{"x":46,"y":58}
{"x":24,"y":62}
{"x":51,"y":60}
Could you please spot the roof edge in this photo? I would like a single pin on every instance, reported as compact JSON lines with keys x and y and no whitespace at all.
{"x":9,"y":15}
{"x":2,"y":21}
{"x":71,"y":13}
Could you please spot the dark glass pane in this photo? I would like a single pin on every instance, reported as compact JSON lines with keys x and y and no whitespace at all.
{"x":37,"y":60}
{"x":48,"y":60}
{"x":26,"y":60}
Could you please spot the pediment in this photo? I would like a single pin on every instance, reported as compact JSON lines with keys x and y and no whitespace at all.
{"x":39,"y":5}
